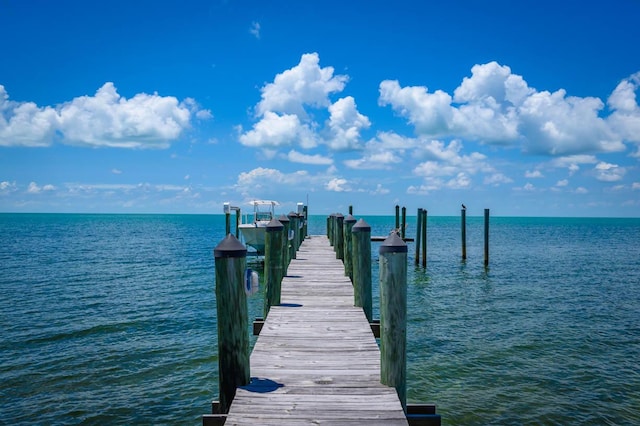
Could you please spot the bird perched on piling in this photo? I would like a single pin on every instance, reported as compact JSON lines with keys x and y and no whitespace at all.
{"x":464,"y":207}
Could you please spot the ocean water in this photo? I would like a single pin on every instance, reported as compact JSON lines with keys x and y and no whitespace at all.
{"x":110,"y":319}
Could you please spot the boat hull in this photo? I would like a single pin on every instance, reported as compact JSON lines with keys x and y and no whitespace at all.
{"x":254,"y":236}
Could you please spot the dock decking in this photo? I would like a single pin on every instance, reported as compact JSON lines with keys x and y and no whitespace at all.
{"x":316,"y":360}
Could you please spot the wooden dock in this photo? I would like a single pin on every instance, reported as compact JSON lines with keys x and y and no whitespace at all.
{"x":316,"y":360}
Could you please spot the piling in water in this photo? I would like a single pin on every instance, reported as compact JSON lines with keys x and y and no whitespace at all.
{"x":273,"y":264}
{"x":361,"y":260}
{"x":293,"y":232}
{"x":393,"y":315}
{"x":486,"y":237}
{"x":424,"y":238}
{"x":233,"y":319}
{"x":349,"y":221}
{"x":339,"y":237}
{"x":418,"y":235}
{"x":463,"y":232}
{"x":284,"y":220}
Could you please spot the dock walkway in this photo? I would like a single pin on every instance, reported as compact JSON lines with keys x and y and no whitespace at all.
{"x":316,"y":360}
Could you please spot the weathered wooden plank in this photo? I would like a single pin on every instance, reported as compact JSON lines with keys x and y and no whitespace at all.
{"x":318,"y":352}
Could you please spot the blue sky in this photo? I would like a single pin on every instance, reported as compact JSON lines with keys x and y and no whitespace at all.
{"x":529,"y":108}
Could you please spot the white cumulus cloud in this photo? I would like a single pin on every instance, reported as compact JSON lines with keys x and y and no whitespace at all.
{"x":345,"y":124}
{"x":304,"y":84}
{"x":317,"y":159}
{"x":275,"y":130}
{"x":104,"y":119}
{"x":608,"y":172}
{"x":337,"y":185}
{"x":496,"y":106}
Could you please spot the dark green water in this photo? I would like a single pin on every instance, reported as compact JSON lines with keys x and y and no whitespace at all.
{"x":110,"y":319}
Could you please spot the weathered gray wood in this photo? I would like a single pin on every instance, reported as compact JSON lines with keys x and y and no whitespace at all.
{"x":318,"y":352}
{"x":393,"y":315}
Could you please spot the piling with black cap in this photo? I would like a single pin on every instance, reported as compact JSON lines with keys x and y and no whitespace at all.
{"x":349,"y":221}
{"x":273,"y":264}
{"x":393,"y":315}
{"x":233,"y":319}
{"x":339,"y":237}
{"x":361,"y":260}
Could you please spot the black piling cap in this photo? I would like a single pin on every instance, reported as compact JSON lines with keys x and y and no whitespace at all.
{"x":230,"y":247}
{"x":292,"y":214}
{"x":393,"y":244}
{"x":274,"y":225}
{"x":282,"y":218}
{"x":339,"y":217}
{"x":361,"y":226}
{"x":349,"y":219}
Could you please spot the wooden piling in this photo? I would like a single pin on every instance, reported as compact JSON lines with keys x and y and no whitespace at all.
{"x":305,"y":225}
{"x":404,"y":223}
{"x":273,"y":264}
{"x":393,"y":315}
{"x":233,"y":318}
{"x":293,"y":226}
{"x":424,"y":238}
{"x":486,"y":237}
{"x":361,"y":260}
{"x":227,"y":223}
{"x":349,"y":221}
{"x":284,"y":220}
{"x":463,"y":231}
{"x":397,"y":217}
{"x":339,"y":237}
{"x":418,"y":235}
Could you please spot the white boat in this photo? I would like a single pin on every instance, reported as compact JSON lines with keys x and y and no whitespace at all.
{"x":253,"y":228}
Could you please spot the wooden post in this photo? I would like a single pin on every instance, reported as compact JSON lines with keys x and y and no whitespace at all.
{"x":404,"y":222}
{"x":424,"y":238}
{"x":284,"y":220}
{"x":393,"y":315}
{"x":233,"y":319}
{"x":293,"y":226}
{"x":349,"y":221}
{"x":418,"y":235}
{"x":272,"y":264}
{"x":361,"y":259}
{"x":397,"y":217}
{"x":350,"y":209}
{"x":227,"y":223}
{"x":339,"y":237}
{"x":305,"y":226}
{"x":330,"y":223}
{"x":486,"y":237}
{"x":238,"y":216}
{"x":463,"y":230}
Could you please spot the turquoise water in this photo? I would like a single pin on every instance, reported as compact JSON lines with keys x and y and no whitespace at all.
{"x":110,"y":319}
